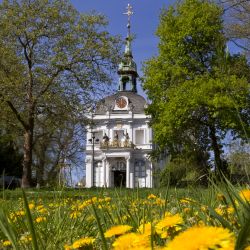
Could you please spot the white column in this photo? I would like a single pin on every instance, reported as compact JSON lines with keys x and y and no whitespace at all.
{"x":99,"y":169}
{"x":151,"y":175}
{"x":147,"y":134}
{"x":89,"y":173}
{"x":132,"y":175}
{"x":104,"y":171}
{"x":108,"y":174}
{"x":128,"y":173}
{"x":150,"y":136}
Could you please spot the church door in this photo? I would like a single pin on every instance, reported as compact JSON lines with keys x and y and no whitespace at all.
{"x":119,"y":173}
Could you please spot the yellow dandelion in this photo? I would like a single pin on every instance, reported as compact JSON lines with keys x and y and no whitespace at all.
{"x":39,"y":207}
{"x":6,"y":243}
{"x":20,"y":213}
{"x":26,"y":238}
{"x":31,"y":206}
{"x":117,"y":230}
{"x":159,"y":202}
{"x":67,"y":247}
{"x":94,"y":199}
{"x":203,"y":238}
{"x":132,"y":241}
{"x":230,"y":210}
{"x":82,"y":206}
{"x":247,"y":248}
{"x":124,"y":242}
{"x":204,"y":208}
{"x":187,"y":210}
{"x":151,"y":197}
{"x":75,"y":214}
{"x":43,"y":211}
{"x":40,"y":219}
{"x":221,"y":210}
{"x":245,"y":194}
{"x":107,"y":199}
{"x":86,"y":241}
{"x":170,"y":221}
{"x":145,"y":229}
{"x":186,"y":200}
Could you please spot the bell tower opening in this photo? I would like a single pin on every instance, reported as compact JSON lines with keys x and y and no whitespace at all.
{"x":125,"y":80}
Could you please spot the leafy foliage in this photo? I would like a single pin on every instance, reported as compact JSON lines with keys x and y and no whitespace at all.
{"x":54,"y":63}
{"x":197,"y":92}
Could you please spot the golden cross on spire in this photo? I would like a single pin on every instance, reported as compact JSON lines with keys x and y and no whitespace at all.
{"x":129,"y":13}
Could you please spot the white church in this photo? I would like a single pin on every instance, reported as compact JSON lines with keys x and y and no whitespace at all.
{"x":120,"y":139}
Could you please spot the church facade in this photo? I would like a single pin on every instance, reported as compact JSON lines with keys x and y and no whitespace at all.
{"x":119,"y":140}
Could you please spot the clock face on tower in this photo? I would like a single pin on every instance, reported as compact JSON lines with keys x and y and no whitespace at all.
{"x":121,"y":102}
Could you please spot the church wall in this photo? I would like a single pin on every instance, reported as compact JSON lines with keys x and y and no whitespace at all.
{"x":99,"y":176}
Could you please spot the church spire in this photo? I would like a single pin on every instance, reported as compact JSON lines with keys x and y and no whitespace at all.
{"x":129,"y":13}
{"x":127,"y":68}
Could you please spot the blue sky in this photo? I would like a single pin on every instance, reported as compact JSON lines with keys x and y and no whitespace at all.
{"x":143,"y":23}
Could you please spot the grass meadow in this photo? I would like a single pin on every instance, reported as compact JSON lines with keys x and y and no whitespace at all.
{"x":217,"y":217}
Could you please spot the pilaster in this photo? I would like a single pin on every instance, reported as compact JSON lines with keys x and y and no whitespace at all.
{"x":104,"y":171}
{"x":89,"y":173}
{"x":128,"y":172}
{"x":132,"y":175}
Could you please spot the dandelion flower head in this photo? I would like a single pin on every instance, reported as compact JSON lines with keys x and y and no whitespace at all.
{"x":245,"y":195}
{"x":132,"y":241}
{"x":117,"y":230}
{"x":86,"y":241}
{"x":203,"y":238}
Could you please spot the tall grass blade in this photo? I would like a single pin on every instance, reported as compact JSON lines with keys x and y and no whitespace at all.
{"x":104,"y":242}
{"x":8,"y":229}
{"x":30,"y":222}
{"x":243,"y":239}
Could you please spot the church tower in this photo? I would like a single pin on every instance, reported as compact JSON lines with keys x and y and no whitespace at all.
{"x":127,"y":68}
{"x":120,"y":139}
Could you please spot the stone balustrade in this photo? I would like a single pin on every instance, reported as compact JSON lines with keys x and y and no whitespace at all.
{"x":116,"y":144}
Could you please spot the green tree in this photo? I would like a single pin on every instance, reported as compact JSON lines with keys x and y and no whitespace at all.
{"x":196,"y":95}
{"x":52,"y":60}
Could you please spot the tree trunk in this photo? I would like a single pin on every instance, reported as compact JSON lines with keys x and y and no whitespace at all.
{"x":216,"y":149}
{"x":27,"y":158}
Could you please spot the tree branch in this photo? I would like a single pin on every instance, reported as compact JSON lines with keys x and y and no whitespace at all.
{"x":19,"y":118}
{"x":240,"y":46}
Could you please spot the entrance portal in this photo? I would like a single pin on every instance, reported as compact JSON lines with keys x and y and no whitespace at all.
{"x":118,"y":172}
{"x":119,"y":178}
